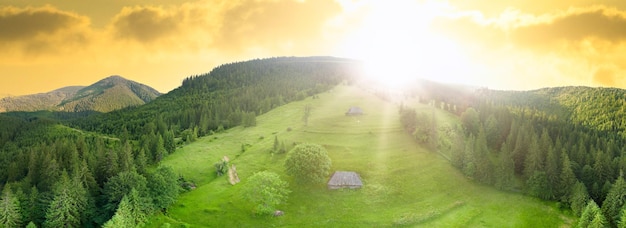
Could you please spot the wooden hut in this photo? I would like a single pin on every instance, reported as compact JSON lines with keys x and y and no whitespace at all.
{"x":345,"y":179}
{"x":354,"y":111}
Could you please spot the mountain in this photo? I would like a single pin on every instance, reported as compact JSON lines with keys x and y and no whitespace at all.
{"x":40,"y":101}
{"x":111,"y":93}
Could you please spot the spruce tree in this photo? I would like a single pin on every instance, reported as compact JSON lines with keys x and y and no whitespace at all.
{"x":122,"y":216}
{"x":567,"y":179}
{"x":68,"y":204}
{"x":615,"y":200}
{"x":579,"y":198}
{"x":10,"y":215}
{"x":506,"y":168}
{"x":591,"y":213}
{"x":622,"y":219}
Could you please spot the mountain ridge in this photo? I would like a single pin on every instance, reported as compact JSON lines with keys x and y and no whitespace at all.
{"x":108,"y":94}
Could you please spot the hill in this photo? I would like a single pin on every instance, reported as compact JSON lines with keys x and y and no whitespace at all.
{"x":111,"y":93}
{"x":40,"y":101}
{"x":405,"y":184}
{"x":99,"y":152}
{"x":540,"y":147}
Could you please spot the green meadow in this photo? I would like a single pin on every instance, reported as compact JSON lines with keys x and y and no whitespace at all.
{"x":404,"y":183}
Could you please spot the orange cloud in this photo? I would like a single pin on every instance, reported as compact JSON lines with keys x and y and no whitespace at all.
{"x":274,"y":23}
{"x":604,"y":76}
{"x":34,"y":30}
{"x":145,"y":24}
{"x":574,"y":26}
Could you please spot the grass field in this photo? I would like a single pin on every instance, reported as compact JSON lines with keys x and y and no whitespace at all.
{"x":404,"y":184}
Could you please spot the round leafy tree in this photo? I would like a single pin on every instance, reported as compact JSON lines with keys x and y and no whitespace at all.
{"x":308,"y":163}
{"x":266,"y":190}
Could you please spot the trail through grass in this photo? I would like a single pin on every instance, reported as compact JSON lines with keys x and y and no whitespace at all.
{"x":404,"y":184}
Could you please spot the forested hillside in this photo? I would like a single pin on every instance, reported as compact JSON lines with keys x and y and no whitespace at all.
{"x":229,"y":95}
{"x":63,"y":171}
{"x":563,"y":144}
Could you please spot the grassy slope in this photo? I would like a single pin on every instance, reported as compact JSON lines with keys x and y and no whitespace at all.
{"x":404,"y":184}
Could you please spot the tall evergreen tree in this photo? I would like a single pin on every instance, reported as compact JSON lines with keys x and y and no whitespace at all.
{"x":140,"y":207}
{"x":622,"y":219}
{"x":534,"y":161}
{"x":68,"y":204}
{"x":483,"y":163}
{"x":125,"y":155}
{"x":10,"y":214}
{"x":592,"y":212}
{"x":567,"y":179}
{"x":168,"y":142}
{"x":505,"y":173}
{"x":552,"y":174}
{"x":579,"y":198}
{"x":122,"y":216}
{"x":615,"y":200}
{"x":469,"y":167}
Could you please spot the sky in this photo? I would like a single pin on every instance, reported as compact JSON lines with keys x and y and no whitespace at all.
{"x":517,"y":44}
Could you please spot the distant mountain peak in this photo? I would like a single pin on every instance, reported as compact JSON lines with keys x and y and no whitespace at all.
{"x":108,"y":94}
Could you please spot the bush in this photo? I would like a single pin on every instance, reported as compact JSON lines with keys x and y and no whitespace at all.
{"x":308,"y":163}
{"x":266,"y":190}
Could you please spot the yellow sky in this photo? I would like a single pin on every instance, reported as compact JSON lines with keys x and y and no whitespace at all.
{"x":519,"y":44}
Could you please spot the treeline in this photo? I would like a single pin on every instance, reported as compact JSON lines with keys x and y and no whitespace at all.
{"x":90,"y":170}
{"x":540,"y":143}
{"x":226,"y":96}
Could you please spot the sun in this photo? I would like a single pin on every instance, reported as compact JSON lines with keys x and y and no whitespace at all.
{"x":397,"y":46}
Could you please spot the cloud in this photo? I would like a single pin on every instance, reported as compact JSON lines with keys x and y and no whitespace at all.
{"x":44,"y":29}
{"x":469,"y":29}
{"x":18,"y":24}
{"x":604,"y":76}
{"x":574,"y":26}
{"x":273,"y":23}
{"x":146,"y":24}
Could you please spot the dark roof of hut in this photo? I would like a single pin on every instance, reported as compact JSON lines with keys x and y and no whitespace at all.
{"x":345,"y":178}
{"x":354,"y":111}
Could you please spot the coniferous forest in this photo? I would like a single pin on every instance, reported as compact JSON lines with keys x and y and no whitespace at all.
{"x":93,"y":169}
{"x":90,"y":169}
{"x":560,"y":144}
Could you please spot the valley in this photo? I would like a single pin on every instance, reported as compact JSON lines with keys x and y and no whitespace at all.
{"x":404,"y":183}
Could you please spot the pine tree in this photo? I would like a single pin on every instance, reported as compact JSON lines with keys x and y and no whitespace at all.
{"x":534,"y":161}
{"x":126,"y":158}
{"x":579,"y":198}
{"x":591,"y":212}
{"x":506,"y":168}
{"x":168,"y":142}
{"x":599,"y":221}
{"x":140,"y":207}
{"x":10,"y":215}
{"x":615,"y":200}
{"x":68,"y":204}
{"x":483,"y":164}
{"x":469,"y":167}
{"x":122,"y":216}
{"x":493,"y":132}
{"x":552,"y":174}
{"x":567,"y":179}
{"x":622,"y":219}
{"x":159,"y":150}
{"x":141,"y":162}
